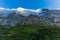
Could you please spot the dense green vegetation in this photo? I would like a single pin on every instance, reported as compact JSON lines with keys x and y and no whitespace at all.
{"x":30,"y":32}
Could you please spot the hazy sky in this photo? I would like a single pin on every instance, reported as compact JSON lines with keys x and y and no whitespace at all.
{"x":30,"y":4}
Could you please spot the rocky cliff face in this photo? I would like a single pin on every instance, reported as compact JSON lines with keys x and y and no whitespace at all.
{"x":45,"y":17}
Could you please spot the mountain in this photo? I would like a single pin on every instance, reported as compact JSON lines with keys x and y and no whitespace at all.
{"x":27,"y":17}
{"x":46,"y":15}
{"x":14,"y":18}
{"x":3,"y":16}
{"x":32,"y":20}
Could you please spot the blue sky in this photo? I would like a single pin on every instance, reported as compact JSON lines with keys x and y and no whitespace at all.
{"x":30,"y":4}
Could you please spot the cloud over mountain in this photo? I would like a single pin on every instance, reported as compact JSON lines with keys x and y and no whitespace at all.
{"x":23,"y":11}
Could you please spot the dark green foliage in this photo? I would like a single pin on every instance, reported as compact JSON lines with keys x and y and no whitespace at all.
{"x":46,"y":34}
{"x":31,"y":32}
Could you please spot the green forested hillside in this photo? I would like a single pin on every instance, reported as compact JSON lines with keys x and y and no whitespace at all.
{"x":30,"y":32}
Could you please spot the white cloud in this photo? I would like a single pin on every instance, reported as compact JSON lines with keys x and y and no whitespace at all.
{"x":23,"y":11}
{"x":55,"y":9}
{"x":38,"y":10}
{"x":26,"y":12}
{"x":2,"y":8}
